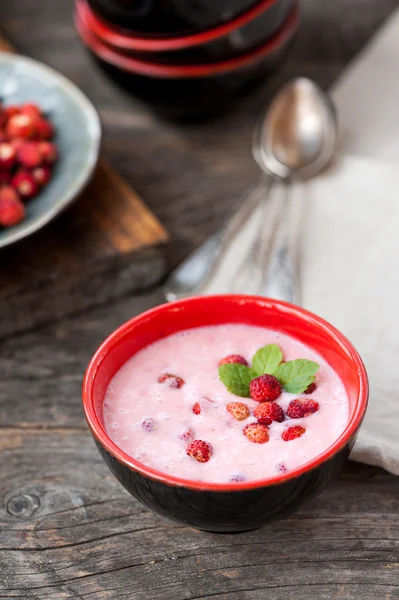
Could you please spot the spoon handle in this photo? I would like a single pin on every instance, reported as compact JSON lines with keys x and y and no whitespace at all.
{"x":201,"y":270}
{"x":250,"y":275}
{"x":281,"y":277}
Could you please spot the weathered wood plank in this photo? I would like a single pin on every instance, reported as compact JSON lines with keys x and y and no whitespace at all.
{"x":68,"y":530}
{"x":42,"y":370}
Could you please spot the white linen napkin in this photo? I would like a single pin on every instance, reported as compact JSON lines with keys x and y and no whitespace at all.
{"x":350,"y":241}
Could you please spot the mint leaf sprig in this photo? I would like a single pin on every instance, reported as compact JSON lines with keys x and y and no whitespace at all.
{"x":294,"y":376}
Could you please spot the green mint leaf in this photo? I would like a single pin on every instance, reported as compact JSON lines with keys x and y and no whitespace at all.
{"x":267,"y":359}
{"x":296,"y":375}
{"x":237,"y":378}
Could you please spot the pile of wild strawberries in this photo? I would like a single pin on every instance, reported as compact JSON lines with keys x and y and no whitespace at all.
{"x":27,"y":156}
{"x":265,"y":390}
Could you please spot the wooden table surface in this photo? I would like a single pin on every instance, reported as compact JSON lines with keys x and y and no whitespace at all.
{"x":67,"y":528}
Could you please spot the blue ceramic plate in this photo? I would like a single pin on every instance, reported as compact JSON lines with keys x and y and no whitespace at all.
{"x":78,"y":136}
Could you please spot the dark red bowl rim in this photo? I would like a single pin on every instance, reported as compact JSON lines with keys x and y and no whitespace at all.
{"x":151,"y":69}
{"x":311,"y":319}
{"x":114,"y":37}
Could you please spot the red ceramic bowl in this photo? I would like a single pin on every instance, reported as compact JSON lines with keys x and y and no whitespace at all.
{"x":193,"y":89}
{"x":236,"y":36}
{"x":141,"y":66}
{"x":168,"y":18}
{"x":238,"y":506}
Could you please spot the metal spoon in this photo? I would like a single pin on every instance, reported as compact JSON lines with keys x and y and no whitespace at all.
{"x":295,"y":138}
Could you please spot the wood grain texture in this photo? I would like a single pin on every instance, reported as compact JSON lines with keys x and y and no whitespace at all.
{"x":65,"y":534}
{"x":67,"y":529}
{"x":107,"y":245}
{"x":42,"y":370}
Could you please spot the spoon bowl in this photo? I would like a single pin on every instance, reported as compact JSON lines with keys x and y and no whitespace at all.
{"x":296,"y":136}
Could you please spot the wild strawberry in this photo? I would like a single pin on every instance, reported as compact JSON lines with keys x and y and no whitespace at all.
{"x":12,"y":210}
{"x":292,"y":433}
{"x":29,"y":155}
{"x":16,"y":143}
{"x":3,"y":137}
{"x":200,"y":450}
{"x":302,"y":407}
{"x":172,"y":380}
{"x":311,"y":388}
{"x":203,"y":405}
{"x":238,"y":410}
{"x":266,"y":412}
{"x":265,"y":388}
{"x":44,"y":129}
{"x":8,"y":156}
{"x":24,"y":183}
{"x":3,"y":117}
{"x":259,"y":434}
{"x":148,"y":424}
{"x":11,"y":110}
{"x":49,"y":152}
{"x":42,"y":175}
{"x":197,"y":408}
{"x":5,"y":177}
{"x":20,"y":126}
{"x":237,"y":478}
{"x":32,"y":110}
{"x":234,"y":359}
{"x":187,"y":435}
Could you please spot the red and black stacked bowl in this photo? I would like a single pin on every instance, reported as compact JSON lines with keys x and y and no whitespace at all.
{"x":187,"y":58}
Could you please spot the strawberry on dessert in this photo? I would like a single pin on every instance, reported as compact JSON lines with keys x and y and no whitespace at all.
{"x":200,"y":450}
{"x":187,"y":435}
{"x":148,"y":424}
{"x":197,"y":408}
{"x":238,"y":410}
{"x":172,"y":380}
{"x":267,"y":412}
{"x":237,"y":478}
{"x":292,"y":433}
{"x":204,"y":404}
{"x":311,"y":388}
{"x":259,"y":434}
{"x":233,"y":359}
{"x":302,"y":407}
{"x":265,"y":388}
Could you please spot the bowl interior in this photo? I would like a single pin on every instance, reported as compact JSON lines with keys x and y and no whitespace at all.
{"x":78,"y":134}
{"x":196,"y":312}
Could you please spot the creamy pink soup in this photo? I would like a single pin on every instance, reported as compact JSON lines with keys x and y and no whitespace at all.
{"x":148,"y":420}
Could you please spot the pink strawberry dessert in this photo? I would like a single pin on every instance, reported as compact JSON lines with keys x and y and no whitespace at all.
{"x":225,"y":403}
